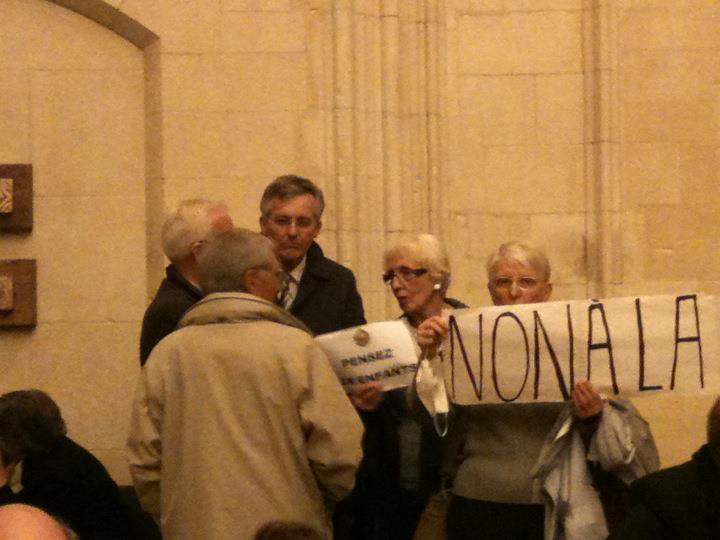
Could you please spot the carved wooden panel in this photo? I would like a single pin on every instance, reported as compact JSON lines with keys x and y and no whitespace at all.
{"x":6,"y":195}
{"x":16,"y":197}
{"x":6,"y":293}
{"x":18,"y":286}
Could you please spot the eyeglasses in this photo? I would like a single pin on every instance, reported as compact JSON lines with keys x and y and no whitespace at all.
{"x":301,"y":222}
{"x":407,"y":274}
{"x":523,"y":282}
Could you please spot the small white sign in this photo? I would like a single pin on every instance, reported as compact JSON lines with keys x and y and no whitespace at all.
{"x":384,"y":352}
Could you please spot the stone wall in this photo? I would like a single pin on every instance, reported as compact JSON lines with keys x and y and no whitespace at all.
{"x":591,"y":128}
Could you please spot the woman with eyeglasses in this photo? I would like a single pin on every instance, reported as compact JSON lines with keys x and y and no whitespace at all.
{"x":407,"y":452}
{"x":518,"y":476}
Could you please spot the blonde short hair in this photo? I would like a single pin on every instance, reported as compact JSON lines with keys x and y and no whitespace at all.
{"x":522,"y":253}
{"x":189,"y":222}
{"x":426,"y":251}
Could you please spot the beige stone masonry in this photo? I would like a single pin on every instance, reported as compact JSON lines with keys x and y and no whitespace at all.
{"x":559,"y":108}
{"x":256,"y":5}
{"x":588,"y":127}
{"x":651,"y":174}
{"x":679,"y":26}
{"x":194,"y":82}
{"x":69,"y":110}
{"x":69,"y":42}
{"x":247,"y":143}
{"x":263,"y":32}
{"x":73,"y":107}
{"x":194,"y":144}
{"x":264,"y":81}
{"x":506,"y":107}
{"x":184,"y":26}
{"x":476,"y":6}
{"x":520,"y":42}
{"x":15,"y":116}
{"x":679,"y":121}
{"x":531,"y":179}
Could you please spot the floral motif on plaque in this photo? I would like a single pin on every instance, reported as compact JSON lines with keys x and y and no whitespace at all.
{"x":6,"y":293}
{"x":6,"y":195}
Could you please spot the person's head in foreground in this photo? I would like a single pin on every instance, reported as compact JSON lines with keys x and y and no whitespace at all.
{"x":291,"y":210}
{"x":239,"y":260}
{"x":417,"y":270}
{"x":24,"y":522}
{"x":518,"y":274}
{"x":30,"y":423}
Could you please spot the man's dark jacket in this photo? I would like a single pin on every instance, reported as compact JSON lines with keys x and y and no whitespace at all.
{"x":172,"y":300}
{"x":67,"y":481}
{"x":327,"y":299}
{"x":681,"y":502}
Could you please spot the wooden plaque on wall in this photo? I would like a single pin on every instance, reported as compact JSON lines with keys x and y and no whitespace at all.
{"x":18,"y":299}
{"x":17,"y":212}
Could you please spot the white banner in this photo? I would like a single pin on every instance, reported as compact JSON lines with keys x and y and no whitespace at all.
{"x":624,"y":346}
{"x":383,"y":352}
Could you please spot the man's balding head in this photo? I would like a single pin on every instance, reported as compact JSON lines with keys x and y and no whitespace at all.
{"x":30,"y":523}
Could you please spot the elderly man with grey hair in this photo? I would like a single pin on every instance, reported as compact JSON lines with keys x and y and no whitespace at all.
{"x":317,"y":290}
{"x":238,"y":418}
{"x":183,"y":234}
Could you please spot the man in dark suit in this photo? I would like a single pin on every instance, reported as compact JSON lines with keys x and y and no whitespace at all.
{"x":681,"y":502}
{"x":322,"y":294}
{"x":184,"y":232}
{"x":318,"y":291}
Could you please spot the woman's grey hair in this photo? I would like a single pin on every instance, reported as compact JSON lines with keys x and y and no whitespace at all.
{"x":189,"y":222}
{"x":521,"y":253}
{"x":426,"y":251}
{"x":228,"y":256}
{"x":713,"y":426}
{"x":289,"y":186}
{"x":30,"y":423}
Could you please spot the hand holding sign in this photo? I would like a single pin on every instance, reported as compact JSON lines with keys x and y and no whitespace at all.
{"x":367,"y":396}
{"x":586,"y":401}
{"x":430,"y":334}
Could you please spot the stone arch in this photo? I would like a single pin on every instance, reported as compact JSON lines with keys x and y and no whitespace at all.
{"x":147,"y":41}
{"x":111,"y":18}
{"x":77,"y":105}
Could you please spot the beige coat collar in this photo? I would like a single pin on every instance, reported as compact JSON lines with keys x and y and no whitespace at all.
{"x":234,"y":307}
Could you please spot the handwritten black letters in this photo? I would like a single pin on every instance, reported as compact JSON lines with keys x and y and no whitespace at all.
{"x":622,"y":345}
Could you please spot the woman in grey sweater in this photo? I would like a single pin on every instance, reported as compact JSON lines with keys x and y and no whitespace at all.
{"x":499,"y":446}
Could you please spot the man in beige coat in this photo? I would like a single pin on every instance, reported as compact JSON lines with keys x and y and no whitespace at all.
{"x":238,"y":417}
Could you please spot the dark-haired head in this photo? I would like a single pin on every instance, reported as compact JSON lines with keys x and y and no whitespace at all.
{"x":286,"y":530}
{"x":30,"y":424}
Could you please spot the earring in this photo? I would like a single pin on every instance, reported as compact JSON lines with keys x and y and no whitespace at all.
{"x":436,"y":287}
